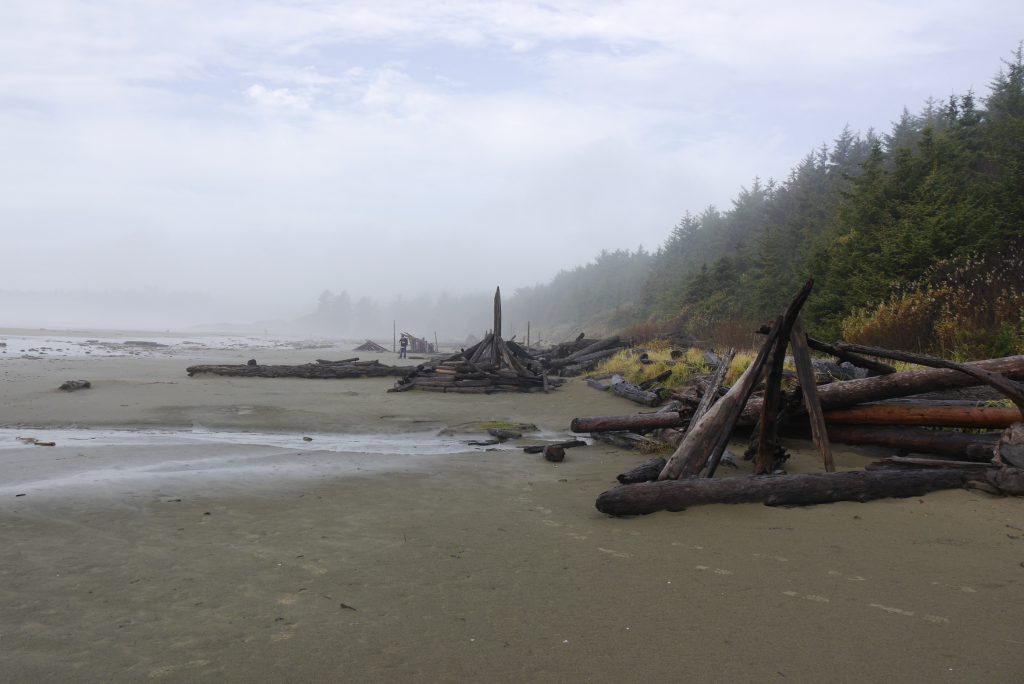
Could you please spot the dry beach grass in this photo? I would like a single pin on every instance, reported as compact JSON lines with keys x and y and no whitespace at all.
{"x":273,"y":561}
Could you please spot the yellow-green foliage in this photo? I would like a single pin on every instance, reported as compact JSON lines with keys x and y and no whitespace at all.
{"x":966,"y":309}
{"x":627,"y":364}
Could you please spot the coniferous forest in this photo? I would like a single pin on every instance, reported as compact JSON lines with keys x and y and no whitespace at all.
{"x":915,"y":239}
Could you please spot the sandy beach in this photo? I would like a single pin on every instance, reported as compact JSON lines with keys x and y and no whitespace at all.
{"x":181,"y":529}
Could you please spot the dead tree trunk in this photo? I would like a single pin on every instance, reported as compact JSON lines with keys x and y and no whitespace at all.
{"x":959,"y":445}
{"x":925,"y":413}
{"x":852,"y":392}
{"x":805,"y":372}
{"x":777,"y":490}
{"x":642,"y":421}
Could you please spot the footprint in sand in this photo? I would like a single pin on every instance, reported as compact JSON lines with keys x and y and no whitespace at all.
{"x":717,"y":571}
{"x":552,"y":523}
{"x":852,"y":578}
{"x":927,"y":617}
{"x":692,"y":547}
{"x":768,"y":556}
{"x":160,"y":672}
{"x":958,"y":587}
{"x":612,"y":552}
{"x":574,"y":535}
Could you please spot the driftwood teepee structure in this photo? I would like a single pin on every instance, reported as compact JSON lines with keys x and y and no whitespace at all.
{"x":492,"y":365}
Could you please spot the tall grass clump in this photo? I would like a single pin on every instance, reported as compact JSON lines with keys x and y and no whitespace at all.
{"x":966,"y":309}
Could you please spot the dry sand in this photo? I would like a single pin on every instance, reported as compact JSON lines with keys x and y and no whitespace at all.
{"x":157,"y":558}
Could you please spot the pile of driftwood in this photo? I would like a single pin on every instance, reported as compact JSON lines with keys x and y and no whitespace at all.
{"x":322,"y":369}
{"x":370,"y":346}
{"x":492,"y":365}
{"x":419,"y":345}
{"x":579,"y":356}
{"x":871,"y":410}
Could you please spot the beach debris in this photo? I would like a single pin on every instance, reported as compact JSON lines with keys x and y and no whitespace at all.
{"x":251,"y":362}
{"x":568,"y":444}
{"x":370,"y":346}
{"x":36,"y":442}
{"x":72,"y":385}
{"x":503,"y":433}
{"x":862,"y":411}
{"x":355,"y":369}
{"x":492,"y":365}
{"x":483,"y":442}
{"x":554,"y":453}
{"x":307,"y":439}
{"x":143,"y":343}
{"x":482,"y":426}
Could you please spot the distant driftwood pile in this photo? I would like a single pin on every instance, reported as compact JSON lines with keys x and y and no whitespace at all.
{"x":492,"y":365}
{"x":322,"y":369}
{"x":370,"y":346}
{"x":872,"y":410}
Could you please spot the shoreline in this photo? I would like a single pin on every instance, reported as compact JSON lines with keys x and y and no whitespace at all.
{"x":282,"y":563}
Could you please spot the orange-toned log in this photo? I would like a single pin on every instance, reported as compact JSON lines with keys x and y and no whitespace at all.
{"x":923,"y":414}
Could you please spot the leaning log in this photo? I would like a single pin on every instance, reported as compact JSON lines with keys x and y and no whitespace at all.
{"x":777,"y":490}
{"x":925,"y":413}
{"x":641,"y":421}
{"x":1014,"y":391}
{"x":852,"y":392}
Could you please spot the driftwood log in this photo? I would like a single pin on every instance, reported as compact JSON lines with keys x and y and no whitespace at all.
{"x":1013,"y":390}
{"x":645,"y":472}
{"x":638,"y":422}
{"x":809,"y":389}
{"x":362,"y":369}
{"x":852,"y":392}
{"x":925,"y":413}
{"x":628,"y":390}
{"x":959,"y":445}
{"x":778,"y":490}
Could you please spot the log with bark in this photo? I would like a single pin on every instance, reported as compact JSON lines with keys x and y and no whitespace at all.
{"x":1013,"y":390}
{"x":780,"y":490}
{"x":925,"y":414}
{"x":647,"y":471}
{"x":852,"y":392}
{"x":809,"y":389}
{"x":635,"y":423}
{"x":1010,"y":450}
{"x":959,"y":445}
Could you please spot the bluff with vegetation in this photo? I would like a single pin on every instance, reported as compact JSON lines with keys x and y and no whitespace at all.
{"x":915,"y":239}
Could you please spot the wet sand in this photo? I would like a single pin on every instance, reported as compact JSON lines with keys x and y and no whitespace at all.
{"x":136,"y":559}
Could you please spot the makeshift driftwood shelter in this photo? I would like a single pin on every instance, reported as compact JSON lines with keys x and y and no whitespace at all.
{"x":968,"y":459}
{"x":370,"y":346}
{"x":491,"y":365}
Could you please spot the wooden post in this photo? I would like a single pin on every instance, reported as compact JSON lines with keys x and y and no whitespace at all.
{"x":394,"y":336}
{"x":805,"y":372}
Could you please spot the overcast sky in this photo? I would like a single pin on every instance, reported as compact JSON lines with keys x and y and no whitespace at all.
{"x":280,"y":148}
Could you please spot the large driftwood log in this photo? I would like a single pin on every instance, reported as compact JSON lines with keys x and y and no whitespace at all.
{"x":925,"y":413}
{"x":641,"y":421}
{"x":959,"y":445}
{"x":1010,"y":450}
{"x":628,"y":390}
{"x":805,"y":372}
{"x":770,"y":453}
{"x":712,"y":431}
{"x":852,"y":392}
{"x":1008,"y":387}
{"x":777,"y":490}
{"x":876,"y":367}
{"x":308,"y":370}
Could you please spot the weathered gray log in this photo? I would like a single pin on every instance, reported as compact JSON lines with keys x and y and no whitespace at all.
{"x":624,"y":440}
{"x":504,"y":433}
{"x":647,"y":471}
{"x":1014,"y":391}
{"x":925,"y":414}
{"x":852,"y":392}
{"x":597,"y":385}
{"x":959,"y":445}
{"x":72,"y":385}
{"x":308,"y":370}
{"x":638,"y":422}
{"x":582,"y":361}
{"x":628,"y":390}
{"x":342,"y":361}
{"x":1010,"y":449}
{"x":711,"y":432}
{"x":777,"y":490}
{"x":660,"y":377}
{"x":770,"y":454}
{"x":568,"y":444}
{"x":808,"y":386}
{"x":717,"y":378}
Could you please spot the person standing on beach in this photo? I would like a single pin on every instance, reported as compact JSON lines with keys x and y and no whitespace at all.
{"x":402,"y":346}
